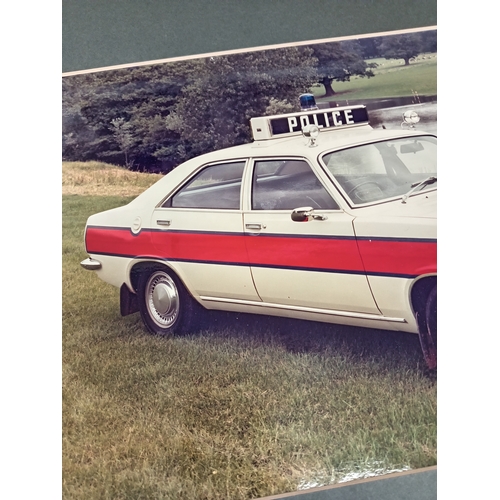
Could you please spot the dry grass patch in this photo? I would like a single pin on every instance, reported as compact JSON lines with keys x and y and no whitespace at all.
{"x":104,"y":179}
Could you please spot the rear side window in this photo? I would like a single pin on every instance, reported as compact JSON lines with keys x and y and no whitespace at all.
{"x":216,"y":187}
{"x":286,"y":185}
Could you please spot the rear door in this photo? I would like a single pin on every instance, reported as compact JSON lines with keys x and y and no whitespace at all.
{"x":199,"y":231}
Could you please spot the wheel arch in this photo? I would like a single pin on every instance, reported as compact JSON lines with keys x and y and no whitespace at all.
{"x":419,"y":292}
{"x":130,"y":288}
{"x":140,"y":266}
{"x":424,"y":303}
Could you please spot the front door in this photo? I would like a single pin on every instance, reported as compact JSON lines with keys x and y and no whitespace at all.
{"x":314,"y":264}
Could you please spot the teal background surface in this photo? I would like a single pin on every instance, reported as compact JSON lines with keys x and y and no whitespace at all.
{"x":106,"y":33}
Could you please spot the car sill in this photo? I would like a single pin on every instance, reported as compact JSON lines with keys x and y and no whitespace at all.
{"x":328,"y":312}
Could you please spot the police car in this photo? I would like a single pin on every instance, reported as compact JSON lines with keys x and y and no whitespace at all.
{"x":321,"y":217}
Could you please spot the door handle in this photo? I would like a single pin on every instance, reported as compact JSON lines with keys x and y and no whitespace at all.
{"x":163,"y":222}
{"x":255,"y":226}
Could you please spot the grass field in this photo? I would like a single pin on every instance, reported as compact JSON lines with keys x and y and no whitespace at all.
{"x":392,"y":79}
{"x":246,"y":407}
{"x":97,"y":178}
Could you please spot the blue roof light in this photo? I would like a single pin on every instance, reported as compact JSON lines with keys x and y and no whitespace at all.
{"x":307,"y":102}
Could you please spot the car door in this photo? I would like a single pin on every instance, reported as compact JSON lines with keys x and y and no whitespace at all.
{"x":312,"y":264}
{"x":199,"y":231}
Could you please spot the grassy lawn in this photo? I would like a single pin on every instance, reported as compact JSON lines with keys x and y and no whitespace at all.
{"x":246,"y":407}
{"x":392,"y":79}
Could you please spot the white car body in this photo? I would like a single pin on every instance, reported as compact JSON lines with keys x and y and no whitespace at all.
{"x":366,"y":259}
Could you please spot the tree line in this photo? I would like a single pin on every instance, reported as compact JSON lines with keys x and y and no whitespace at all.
{"x":151,"y":118}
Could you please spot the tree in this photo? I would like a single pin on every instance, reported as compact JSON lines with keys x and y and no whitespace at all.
{"x":429,"y":41}
{"x":404,"y":47}
{"x":339,"y":61}
{"x":141,"y":98}
{"x":153,"y":117}
{"x":123,"y":136}
{"x":369,"y":47}
{"x":214,"y":111}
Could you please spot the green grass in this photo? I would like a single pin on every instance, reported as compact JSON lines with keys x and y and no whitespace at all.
{"x":247,"y":407}
{"x":392,"y":79}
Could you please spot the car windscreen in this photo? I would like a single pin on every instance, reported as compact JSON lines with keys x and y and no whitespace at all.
{"x":384,"y":170}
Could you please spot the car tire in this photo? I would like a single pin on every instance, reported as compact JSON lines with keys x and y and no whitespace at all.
{"x":428,"y":329}
{"x":165,"y":305}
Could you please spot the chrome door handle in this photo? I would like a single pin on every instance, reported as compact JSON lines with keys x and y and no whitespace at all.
{"x":255,"y":226}
{"x":163,"y":222}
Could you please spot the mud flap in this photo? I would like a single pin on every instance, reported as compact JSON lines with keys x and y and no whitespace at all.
{"x":128,"y":301}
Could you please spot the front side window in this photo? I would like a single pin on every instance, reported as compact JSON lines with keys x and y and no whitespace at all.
{"x":286,"y":185}
{"x":386,"y":169}
{"x":216,"y":187}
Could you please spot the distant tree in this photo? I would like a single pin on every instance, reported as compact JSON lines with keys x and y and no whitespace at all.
{"x":123,"y":136}
{"x":153,"y":117}
{"x":214,"y":111}
{"x":279,"y":107}
{"x":369,"y":47}
{"x":141,"y":97}
{"x":339,"y":61}
{"x":406,"y":47}
{"x":429,"y":41}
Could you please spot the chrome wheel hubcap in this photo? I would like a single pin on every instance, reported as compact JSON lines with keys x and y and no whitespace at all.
{"x":162,"y":298}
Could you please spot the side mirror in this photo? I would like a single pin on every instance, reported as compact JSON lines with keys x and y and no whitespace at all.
{"x":301,"y":214}
{"x":305,"y":214}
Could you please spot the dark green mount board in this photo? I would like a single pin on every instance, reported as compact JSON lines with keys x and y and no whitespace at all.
{"x":98,"y":34}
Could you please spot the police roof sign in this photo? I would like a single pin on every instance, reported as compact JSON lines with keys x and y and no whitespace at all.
{"x":269,"y":127}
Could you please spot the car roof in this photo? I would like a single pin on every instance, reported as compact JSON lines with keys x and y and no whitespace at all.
{"x":298,"y":145}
